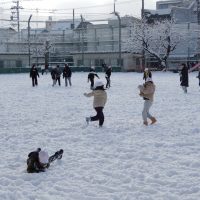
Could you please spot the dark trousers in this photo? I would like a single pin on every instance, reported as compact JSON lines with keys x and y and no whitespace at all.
{"x":34,"y":81}
{"x":92,"y":83}
{"x":99,"y":116}
{"x":58,"y":79}
{"x":108,"y":82}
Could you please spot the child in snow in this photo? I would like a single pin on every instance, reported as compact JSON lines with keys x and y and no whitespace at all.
{"x":39,"y":160}
{"x":184,"y":77}
{"x":199,"y":76}
{"x":147,"y":74}
{"x":107,"y":76}
{"x":34,"y":74}
{"x":100,"y":98}
{"x":91,"y":76}
{"x":67,"y":73}
{"x":147,"y":92}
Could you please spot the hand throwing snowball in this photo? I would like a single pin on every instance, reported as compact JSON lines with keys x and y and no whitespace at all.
{"x":100,"y":98}
{"x":147,"y":92}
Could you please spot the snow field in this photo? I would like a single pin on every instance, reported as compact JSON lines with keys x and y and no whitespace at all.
{"x":123,"y":160}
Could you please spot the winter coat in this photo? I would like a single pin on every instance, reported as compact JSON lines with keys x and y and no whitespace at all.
{"x":184,"y":77}
{"x":58,"y":72}
{"x":34,"y":73}
{"x":198,"y":75}
{"x":53,"y":74}
{"x":91,"y":75}
{"x":67,"y":72}
{"x":33,"y":163}
{"x":147,"y":90}
{"x":108,"y":72}
{"x":100,"y":97}
{"x":146,"y":75}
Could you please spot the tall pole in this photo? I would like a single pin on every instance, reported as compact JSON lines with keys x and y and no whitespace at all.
{"x":143,"y":51}
{"x":120,"y":38}
{"x":114,"y":6}
{"x":29,"y":44}
{"x":198,"y":23}
{"x":82,"y":40}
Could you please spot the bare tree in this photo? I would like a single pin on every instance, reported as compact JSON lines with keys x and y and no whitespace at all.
{"x":158,"y":39}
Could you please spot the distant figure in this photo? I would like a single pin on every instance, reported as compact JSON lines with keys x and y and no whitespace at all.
{"x":107,"y":76}
{"x":91,"y":76}
{"x":199,"y":76}
{"x":100,"y":98}
{"x":42,"y":69}
{"x":39,"y":160}
{"x":147,"y":91}
{"x":53,"y":76}
{"x":147,"y":74}
{"x":67,"y":73}
{"x":58,"y":74}
{"x":184,"y":77}
{"x":34,"y":74}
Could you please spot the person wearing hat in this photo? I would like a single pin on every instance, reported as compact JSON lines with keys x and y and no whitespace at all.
{"x":107,"y":76}
{"x":100,"y":98}
{"x":34,"y":74}
{"x":147,"y":91}
{"x":147,"y":73}
{"x":91,"y":76}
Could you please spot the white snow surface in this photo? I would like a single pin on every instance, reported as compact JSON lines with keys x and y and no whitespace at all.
{"x":123,"y":160}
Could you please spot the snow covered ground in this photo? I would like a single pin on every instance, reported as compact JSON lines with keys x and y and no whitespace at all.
{"x":121,"y":161}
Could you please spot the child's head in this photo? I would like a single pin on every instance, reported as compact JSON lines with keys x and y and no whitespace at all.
{"x":99,"y":85}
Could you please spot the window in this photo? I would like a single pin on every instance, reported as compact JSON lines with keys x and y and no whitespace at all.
{"x":1,"y":64}
{"x":96,"y":62}
{"x":137,"y":61}
{"x":18,"y":63}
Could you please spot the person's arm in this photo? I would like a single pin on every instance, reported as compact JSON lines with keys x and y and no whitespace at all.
{"x":96,"y":75}
{"x":147,"y":89}
{"x":89,"y":94}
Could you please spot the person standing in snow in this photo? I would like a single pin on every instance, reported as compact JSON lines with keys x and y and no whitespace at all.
{"x":58,"y":74}
{"x":199,"y":76}
{"x":53,"y":75}
{"x":67,"y":73}
{"x":147,"y":91}
{"x":91,"y":76}
{"x":100,"y":98}
{"x":107,"y":76}
{"x":34,"y":74}
{"x":184,"y":77}
{"x":147,"y":74}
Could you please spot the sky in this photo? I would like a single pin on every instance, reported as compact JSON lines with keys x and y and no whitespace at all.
{"x":62,"y":9}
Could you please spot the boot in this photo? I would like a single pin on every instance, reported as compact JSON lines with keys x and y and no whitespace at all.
{"x":153,"y":120}
{"x":145,"y":123}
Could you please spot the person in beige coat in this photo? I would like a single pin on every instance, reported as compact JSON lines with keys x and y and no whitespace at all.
{"x":147,"y":91}
{"x":100,"y":98}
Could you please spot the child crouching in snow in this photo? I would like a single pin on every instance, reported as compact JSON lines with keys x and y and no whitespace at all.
{"x":100,"y":98}
{"x":39,"y":160}
{"x":147,"y":92}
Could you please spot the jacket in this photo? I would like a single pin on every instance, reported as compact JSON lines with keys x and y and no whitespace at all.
{"x":100,"y":97}
{"x":147,"y":90}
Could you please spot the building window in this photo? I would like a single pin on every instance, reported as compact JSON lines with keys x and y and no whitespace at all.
{"x":79,"y":62}
{"x":18,"y":63}
{"x":1,"y":64}
{"x":96,"y":62}
{"x":137,"y":61}
{"x":122,"y":62}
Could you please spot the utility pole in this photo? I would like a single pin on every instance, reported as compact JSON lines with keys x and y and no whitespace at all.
{"x":82,"y":41}
{"x":29,"y":43}
{"x":15,"y":14}
{"x":143,"y":51}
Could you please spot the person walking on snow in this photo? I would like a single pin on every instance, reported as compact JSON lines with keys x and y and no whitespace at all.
{"x":67,"y":73}
{"x":184,"y":77}
{"x":100,"y":99}
{"x":91,"y":76}
{"x":147,"y":73}
{"x":34,"y":74}
{"x":147,"y":91}
{"x":199,"y":76}
{"x":57,"y":74}
{"x":107,"y":76}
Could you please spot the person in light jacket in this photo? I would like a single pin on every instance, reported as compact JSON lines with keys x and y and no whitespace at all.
{"x":147,"y":91}
{"x":100,"y":98}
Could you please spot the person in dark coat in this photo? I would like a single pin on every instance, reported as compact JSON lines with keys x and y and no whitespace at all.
{"x":67,"y":73}
{"x":57,"y":74}
{"x":34,"y":74}
{"x":53,"y":76}
{"x":91,"y":76}
{"x":199,"y":76}
{"x":184,"y":77}
{"x":147,"y":74}
{"x":107,"y":76}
